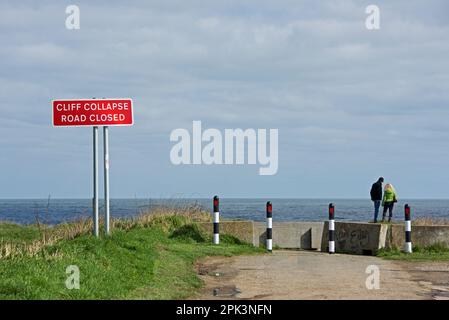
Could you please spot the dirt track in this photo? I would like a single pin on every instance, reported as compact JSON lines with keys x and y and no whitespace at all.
{"x":314,"y":275}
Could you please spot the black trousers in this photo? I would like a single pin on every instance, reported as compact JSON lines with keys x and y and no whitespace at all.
{"x":388,"y":206}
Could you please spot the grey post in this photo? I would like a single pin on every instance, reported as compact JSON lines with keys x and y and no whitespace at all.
{"x":95,"y":167}
{"x":106,"y":177}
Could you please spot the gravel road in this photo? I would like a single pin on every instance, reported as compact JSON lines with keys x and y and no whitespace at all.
{"x":286,"y":274}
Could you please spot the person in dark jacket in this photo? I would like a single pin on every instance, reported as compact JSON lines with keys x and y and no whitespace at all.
{"x":376,"y":196}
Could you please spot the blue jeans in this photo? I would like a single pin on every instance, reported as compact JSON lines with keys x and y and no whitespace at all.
{"x":376,"y":209}
{"x":388,"y":206}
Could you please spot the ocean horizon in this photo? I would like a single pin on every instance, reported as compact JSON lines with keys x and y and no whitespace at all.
{"x":57,"y":210}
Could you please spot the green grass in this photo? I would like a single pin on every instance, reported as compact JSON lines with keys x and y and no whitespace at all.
{"x":435,"y":252}
{"x":155,"y":262}
{"x":15,"y":232}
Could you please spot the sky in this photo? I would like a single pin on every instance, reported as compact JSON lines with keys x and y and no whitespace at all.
{"x":350,"y":104}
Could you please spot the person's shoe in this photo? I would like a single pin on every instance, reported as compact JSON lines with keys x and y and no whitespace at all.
{"x":389,"y":220}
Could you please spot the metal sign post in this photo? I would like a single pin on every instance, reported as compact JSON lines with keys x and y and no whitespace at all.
{"x":95,"y":200}
{"x":106,"y":177}
{"x":95,"y":112}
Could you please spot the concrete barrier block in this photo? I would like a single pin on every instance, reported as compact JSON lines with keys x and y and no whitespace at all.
{"x":351,"y":237}
{"x":291,"y":235}
{"x":427,"y":235}
{"x":396,"y":236}
{"x":317,"y":235}
{"x":356,"y":238}
{"x":422,"y":236}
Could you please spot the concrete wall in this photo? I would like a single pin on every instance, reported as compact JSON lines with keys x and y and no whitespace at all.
{"x":356,"y":237}
{"x":351,"y":237}
{"x":243,"y":230}
{"x":291,"y":235}
{"x":421,"y":236}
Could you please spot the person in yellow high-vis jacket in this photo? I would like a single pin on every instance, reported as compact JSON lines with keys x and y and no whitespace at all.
{"x":388,"y":201}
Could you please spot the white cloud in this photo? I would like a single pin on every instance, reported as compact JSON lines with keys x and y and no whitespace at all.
{"x":310,"y":69}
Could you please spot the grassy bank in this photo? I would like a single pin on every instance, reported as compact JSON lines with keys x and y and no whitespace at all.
{"x":436,"y":252}
{"x":151,"y":257}
{"x":10,"y":232}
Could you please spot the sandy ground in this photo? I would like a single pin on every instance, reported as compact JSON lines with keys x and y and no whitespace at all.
{"x":313,"y":275}
{"x":433,"y":276}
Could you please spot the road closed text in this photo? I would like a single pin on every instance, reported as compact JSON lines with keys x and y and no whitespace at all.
{"x":92,"y":112}
{"x":74,"y":118}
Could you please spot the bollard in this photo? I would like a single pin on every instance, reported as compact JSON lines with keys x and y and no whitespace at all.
{"x":408,"y":230}
{"x":269,"y":226}
{"x":216,"y":221}
{"x":331,"y":229}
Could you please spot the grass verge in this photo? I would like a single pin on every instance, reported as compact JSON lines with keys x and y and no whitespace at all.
{"x":13,"y":232}
{"x":435,"y":252}
{"x":147,"y":258}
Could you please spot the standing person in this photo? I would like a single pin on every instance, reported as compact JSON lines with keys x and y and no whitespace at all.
{"x":376,"y":196}
{"x":388,"y":201}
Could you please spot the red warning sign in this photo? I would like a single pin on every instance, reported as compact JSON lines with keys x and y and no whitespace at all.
{"x":93,"y":112}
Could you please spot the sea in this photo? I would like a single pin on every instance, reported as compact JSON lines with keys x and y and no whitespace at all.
{"x":54,"y":211}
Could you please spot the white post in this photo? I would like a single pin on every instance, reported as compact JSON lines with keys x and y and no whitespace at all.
{"x":95,"y":167}
{"x":269,"y":227}
{"x":106,"y":177}
{"x":331,"y":228}
{"x":216,"y":220}
{"x":408,"y":230}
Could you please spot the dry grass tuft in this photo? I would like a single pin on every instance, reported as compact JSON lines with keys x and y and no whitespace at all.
{"x":167,"y":217}
{"x":48,"y":236}
{"x":430,"y":222}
